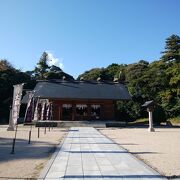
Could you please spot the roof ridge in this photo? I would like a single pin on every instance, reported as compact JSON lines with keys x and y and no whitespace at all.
{"x":81,"y":81}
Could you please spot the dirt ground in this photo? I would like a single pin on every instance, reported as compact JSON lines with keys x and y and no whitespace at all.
{"x":28,"y":159}
{"x":159,"y":149}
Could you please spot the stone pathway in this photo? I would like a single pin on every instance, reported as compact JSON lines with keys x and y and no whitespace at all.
{"x":86,"y":154}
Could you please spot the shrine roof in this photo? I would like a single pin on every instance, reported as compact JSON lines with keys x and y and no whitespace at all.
{"x":62,"y":89}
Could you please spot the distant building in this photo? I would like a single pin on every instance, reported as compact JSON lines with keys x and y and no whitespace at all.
{"x":81,"y":100}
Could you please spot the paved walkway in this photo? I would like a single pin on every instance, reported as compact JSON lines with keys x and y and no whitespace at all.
{"x":86,"y":154}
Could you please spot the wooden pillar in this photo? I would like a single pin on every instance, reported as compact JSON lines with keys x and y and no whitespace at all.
{"x":56,"y":111}
{"x":102,"y":111}
{"x":73,"y":111}
{"x":89,"y":111}
{"x":60,"y":111}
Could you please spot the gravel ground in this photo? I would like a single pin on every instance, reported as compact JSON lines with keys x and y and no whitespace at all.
{"x":159,"y":149}
{"x":29,"y":159}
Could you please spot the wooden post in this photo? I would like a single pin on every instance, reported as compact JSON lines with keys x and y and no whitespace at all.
{"x":38,"y":132}
{"x":45,"y":129}
{"x":89,"y":111}
{"x":13,"y":146}
{"x":73,"y":112}
{"x":14,"y":141}
{"x":29,"y":137}
{"x":60,"y":112}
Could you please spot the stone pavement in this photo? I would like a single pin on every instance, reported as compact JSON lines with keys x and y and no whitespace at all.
{"x":86,"y":154}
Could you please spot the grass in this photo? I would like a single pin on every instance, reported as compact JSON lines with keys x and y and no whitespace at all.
{"x":139,"y":121}
{"x":175,"y":120}
{"x":143,"y":121}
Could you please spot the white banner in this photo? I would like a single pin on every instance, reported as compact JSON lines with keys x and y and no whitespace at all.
{"x":17,"y":94}
{"x":44,"y":103}
{"x":36,"y":111}
{"x":29,"y":108}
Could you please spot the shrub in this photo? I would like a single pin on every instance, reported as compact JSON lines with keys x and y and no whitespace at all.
{"x":159,"y":115}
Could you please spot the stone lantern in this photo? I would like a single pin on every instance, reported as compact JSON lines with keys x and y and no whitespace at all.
{"x":149,"y":105}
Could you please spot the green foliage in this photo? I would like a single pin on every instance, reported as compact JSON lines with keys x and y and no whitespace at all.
{"x":57,"y":73}
{"x":128,"y":111}
{"x":159,"y":115}
{"x":134,"y":76}
{"x":106,"y":74}
{"x":158,"y":81}
{"x":44,"y":72}
{"x":174,"y":121}
{"x":42,"y":67}
{"x":172,"y":52}
{"x":5,"y":65}
{"x":92,"y":74}
{"x":10,"y":76}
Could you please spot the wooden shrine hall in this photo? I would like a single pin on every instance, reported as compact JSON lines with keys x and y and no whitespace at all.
{"x":81,"y":100}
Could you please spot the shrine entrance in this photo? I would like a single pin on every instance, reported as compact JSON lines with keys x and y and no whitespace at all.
{"x":79,"y":110}
{"x":95,"y":111}
{"x":66,"y":112}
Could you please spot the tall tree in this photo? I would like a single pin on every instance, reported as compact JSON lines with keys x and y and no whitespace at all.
{"x":172,"y":49}
{"x":42,"y":67}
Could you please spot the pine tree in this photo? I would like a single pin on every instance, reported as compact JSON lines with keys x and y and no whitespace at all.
{"x":42,"y":67}
{"x":172,"y":52}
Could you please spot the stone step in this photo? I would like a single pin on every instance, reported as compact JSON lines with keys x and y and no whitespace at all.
{"x":96,"y":124}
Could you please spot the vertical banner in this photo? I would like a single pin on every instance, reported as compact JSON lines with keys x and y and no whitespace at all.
{"x":29,"y":109}
{"x":36,"y":110}
{"x":48,"y":110}
{"x":14,"y":114}
{"x":44,"y":103}
{"x":42,"y":110}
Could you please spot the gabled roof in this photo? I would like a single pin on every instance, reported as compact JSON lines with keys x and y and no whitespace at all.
{"x":81,"y":90}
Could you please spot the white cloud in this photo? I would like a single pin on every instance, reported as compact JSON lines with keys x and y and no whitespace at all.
{"x":54,"y":61}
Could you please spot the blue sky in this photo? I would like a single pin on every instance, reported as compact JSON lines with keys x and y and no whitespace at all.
{"x":84,"y":34}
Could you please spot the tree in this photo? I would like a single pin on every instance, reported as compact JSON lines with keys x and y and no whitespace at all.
{"x":92,"y":74}
{"x":172,"y":52}
{"x":9,"y":76}
{"x":5,"y":65}
{"x":43,"y":71}
{"x":42,"y":67}
{"x":106,"y":74}
{"x":57,"y":73}
{"x":134,"y":73}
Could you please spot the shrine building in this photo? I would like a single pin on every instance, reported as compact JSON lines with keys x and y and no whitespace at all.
{"x":81,"y":100}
